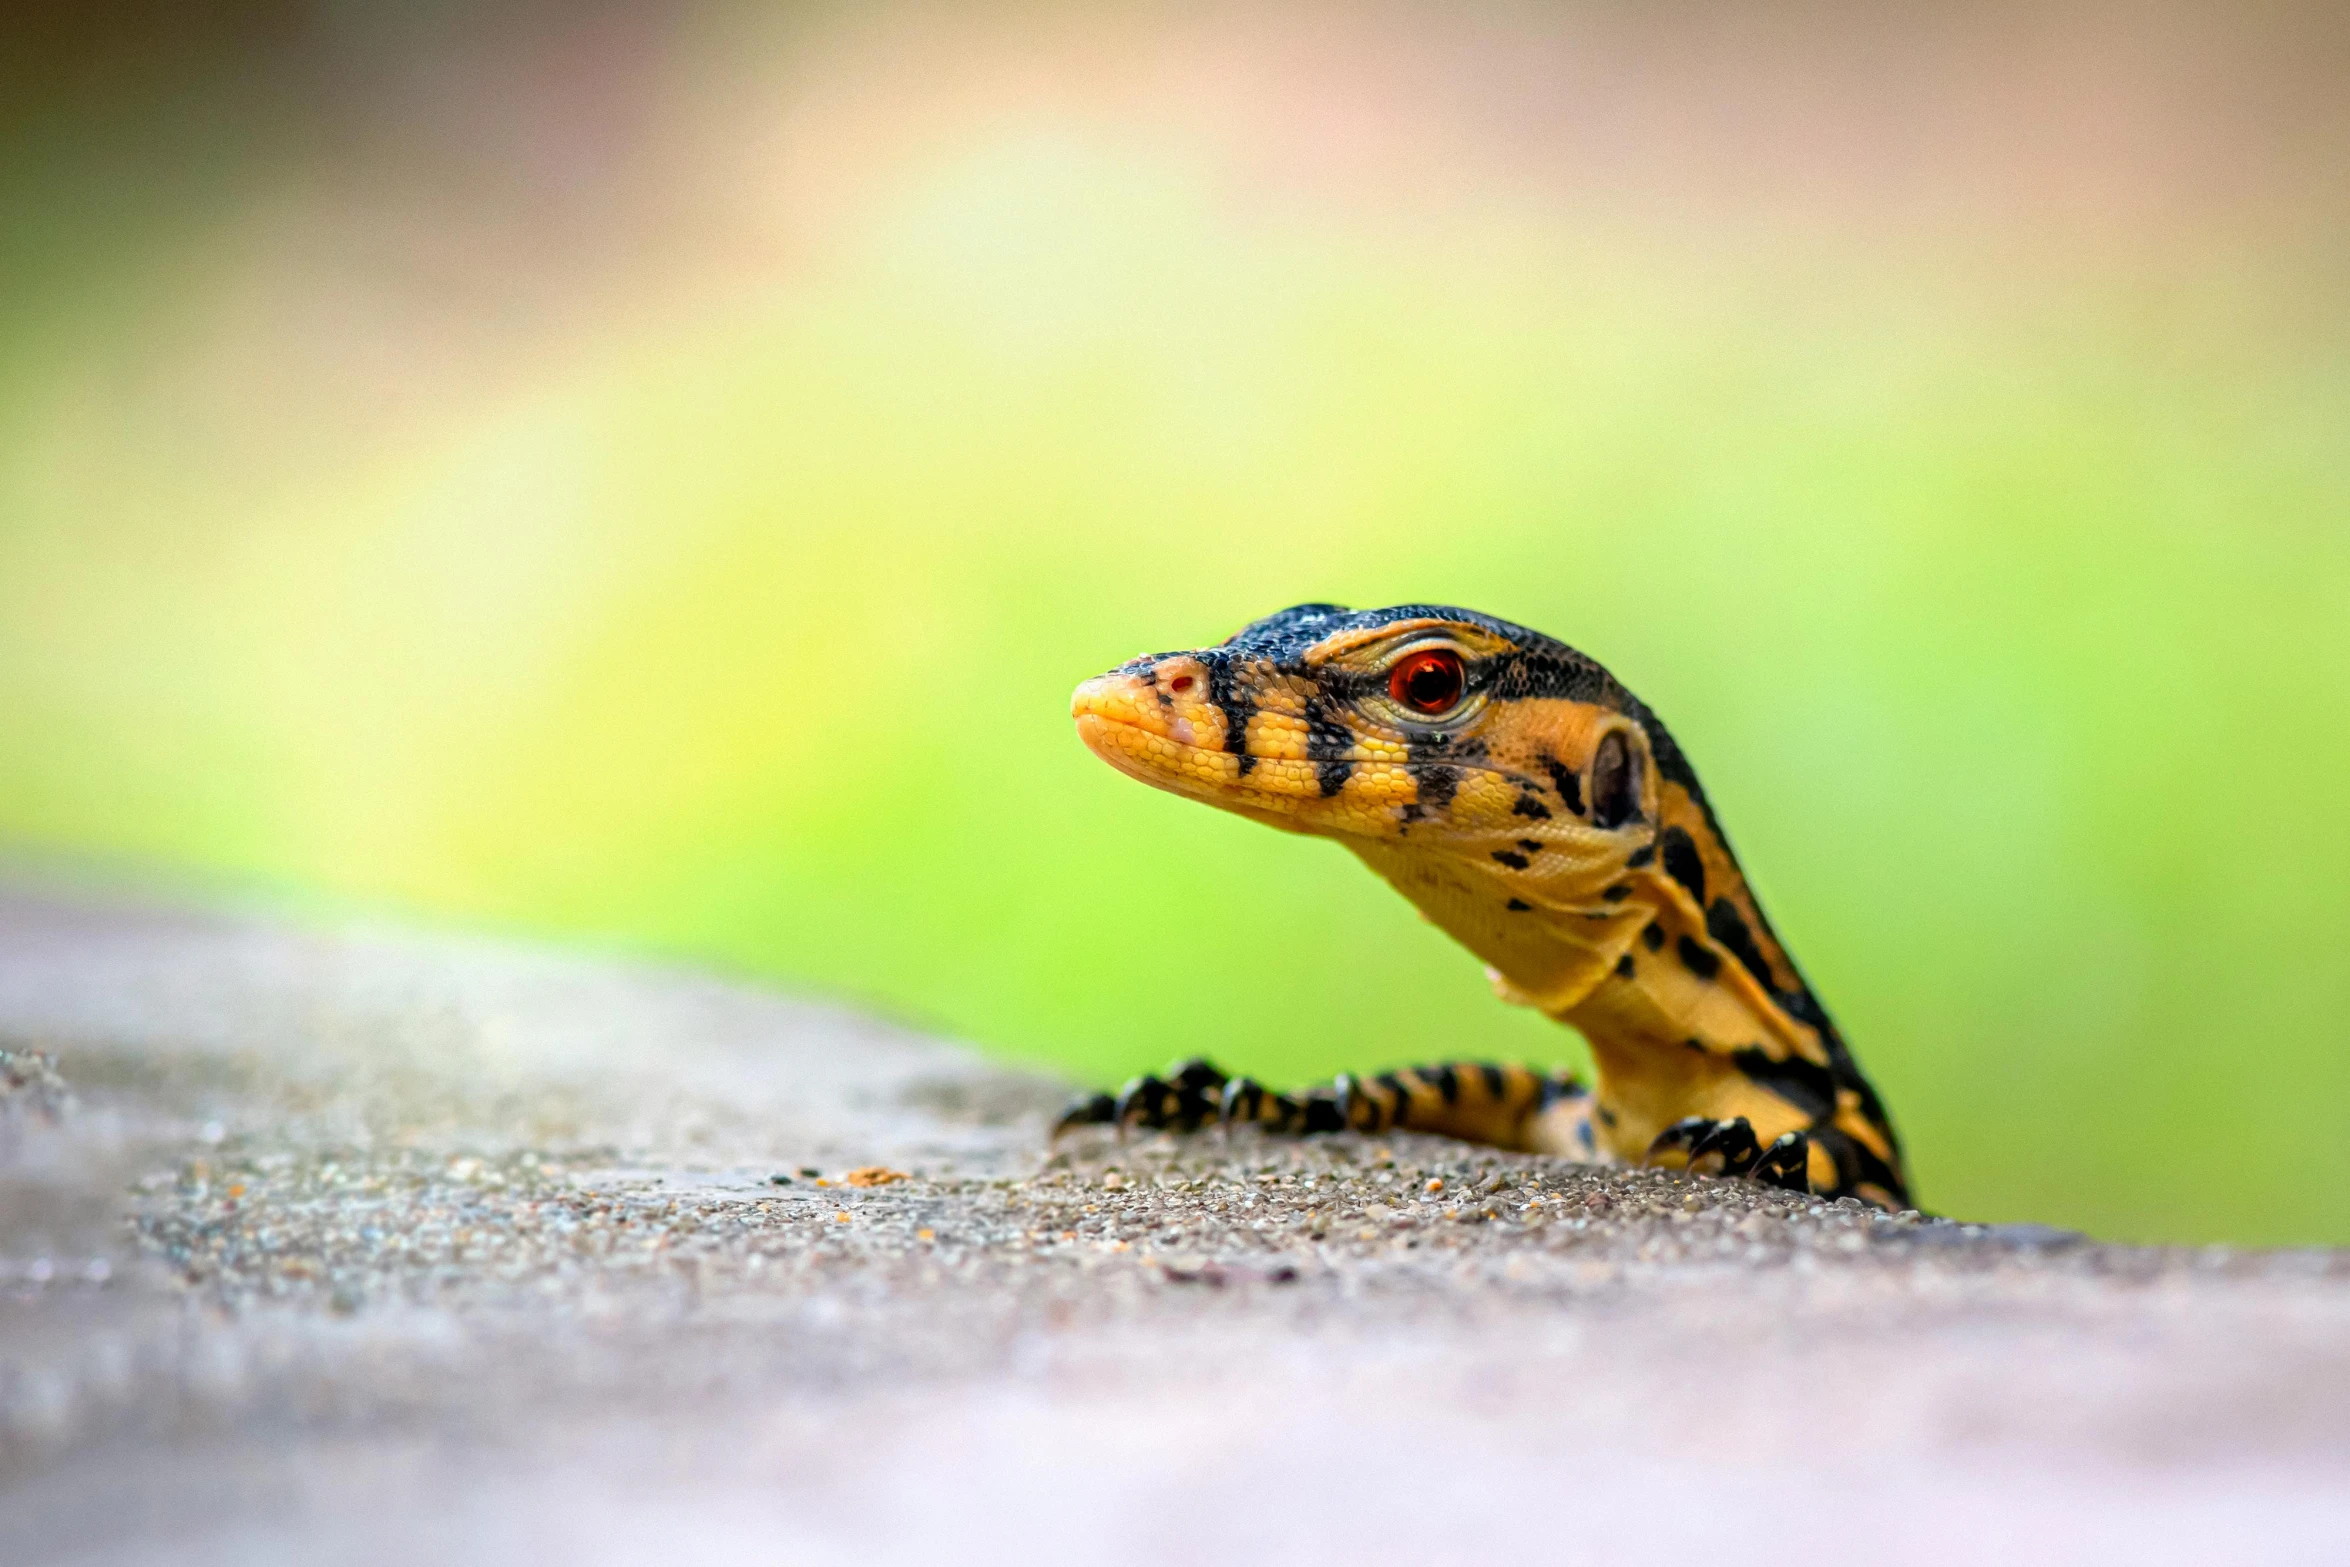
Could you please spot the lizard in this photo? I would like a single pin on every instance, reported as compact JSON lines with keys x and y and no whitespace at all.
{"x":1540,"y":814}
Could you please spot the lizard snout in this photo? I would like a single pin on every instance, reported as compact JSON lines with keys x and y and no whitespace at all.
{"x":1152,"y":715}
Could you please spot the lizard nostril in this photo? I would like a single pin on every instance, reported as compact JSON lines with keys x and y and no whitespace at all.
{"x":1181,"y":684}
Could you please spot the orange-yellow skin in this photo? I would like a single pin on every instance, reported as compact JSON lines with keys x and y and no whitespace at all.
{"x":1589,"y":929}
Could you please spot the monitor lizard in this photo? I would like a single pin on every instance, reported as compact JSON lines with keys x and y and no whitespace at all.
{"x":1540,"y":814}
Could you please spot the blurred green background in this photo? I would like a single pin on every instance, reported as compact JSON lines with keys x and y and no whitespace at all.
{"x":651,"y":476}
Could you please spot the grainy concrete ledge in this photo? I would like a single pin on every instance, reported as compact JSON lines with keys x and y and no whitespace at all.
{"x":366,"y":1246}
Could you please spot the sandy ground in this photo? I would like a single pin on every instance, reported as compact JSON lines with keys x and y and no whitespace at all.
{"x":367,"y":1246}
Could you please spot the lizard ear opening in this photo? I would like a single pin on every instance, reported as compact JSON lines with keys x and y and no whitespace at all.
{"x":1615,"y":781}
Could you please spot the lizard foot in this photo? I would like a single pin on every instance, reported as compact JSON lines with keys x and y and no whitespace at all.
{"x":1196,"y":1093}
{"x":1705,"y":1146}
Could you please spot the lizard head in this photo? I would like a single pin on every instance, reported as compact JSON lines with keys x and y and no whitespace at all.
{"x":1508,"y":759}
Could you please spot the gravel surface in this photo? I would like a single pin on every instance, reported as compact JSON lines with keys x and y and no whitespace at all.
{"x":370,"y":1246}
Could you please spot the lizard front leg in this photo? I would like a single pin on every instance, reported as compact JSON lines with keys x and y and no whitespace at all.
{"x":1499,"y":1106}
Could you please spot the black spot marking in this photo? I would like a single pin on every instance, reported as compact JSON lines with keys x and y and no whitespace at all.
{"x":1511,"y":858}
{"x":1615,"y":781}
{"x":1698,"y":958}
{"x":1412,"y":811}
{"x":1618,"y":893}
{"x":1495,"y":1083}
{"x":1654,"y":935}
{"x":1804,"y":1007}
{"x":1554,"y":1089}
{"x":1640,"y":856}
{"x":1225,"y":694}
{"x":1682,"y":861}
{"x":1606,"y":1116}
{"x":1810,"y":1088}
{"x":1528,"y":806}
{"x":1327,"y":745}
{"x":1438,"y":784}
{"x":1567,"y":782}
{"x":1727,"y":926}
{"x":1447,"y":1083}
{"x":1530,"y":845}
{"x":1624,"y":966}
{"x":1517,"y":905}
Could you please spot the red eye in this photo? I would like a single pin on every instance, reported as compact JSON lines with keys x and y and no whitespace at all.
{"x":1428,"y":681}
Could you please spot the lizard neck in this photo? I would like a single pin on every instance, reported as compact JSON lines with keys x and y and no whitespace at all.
{"x":1677,"y":1025}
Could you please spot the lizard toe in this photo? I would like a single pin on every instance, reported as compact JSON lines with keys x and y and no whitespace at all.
{"x":1087,"y":1110}
{"x":1786,"y":1164}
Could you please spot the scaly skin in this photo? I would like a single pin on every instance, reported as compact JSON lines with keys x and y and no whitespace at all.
{"x":1540,"y":814}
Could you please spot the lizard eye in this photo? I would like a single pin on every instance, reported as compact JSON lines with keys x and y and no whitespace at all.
{"x":1428,"y":682}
